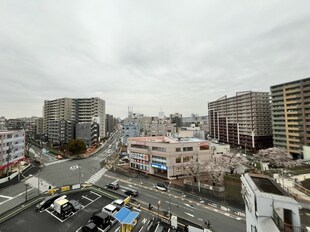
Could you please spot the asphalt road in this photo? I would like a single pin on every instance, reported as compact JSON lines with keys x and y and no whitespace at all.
{"x":180,"y":205}
{"x":59,"y":173}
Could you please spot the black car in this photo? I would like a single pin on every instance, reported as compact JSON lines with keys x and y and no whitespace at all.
{"x":113,"y":185}
{"x":90,"y":227}
{"x":132,"y":192}
{"x":47,"y":202}
{"x":76,"y":205}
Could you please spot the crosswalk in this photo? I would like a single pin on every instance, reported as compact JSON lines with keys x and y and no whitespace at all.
{"x":56,"y":162}
{"x":94,"y":178}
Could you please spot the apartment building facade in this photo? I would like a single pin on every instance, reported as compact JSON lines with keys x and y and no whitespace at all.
{"x":12,"y":147}
{"x":161,"y":127}
{"x":64,"y":113}
{"x":88,"y":132}
{"x":167,"y":157}
{"x":242,"y":120}
{"x":291,"y":116}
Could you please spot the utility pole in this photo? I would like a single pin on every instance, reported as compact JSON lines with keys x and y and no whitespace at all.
{"x":198,"y":171}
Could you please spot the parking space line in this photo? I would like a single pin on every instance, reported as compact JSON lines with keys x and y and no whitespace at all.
{"x":95,"y":193}
{"x":87,"y":198}
{"x":91,"y":202}
{"x":54,"y":216}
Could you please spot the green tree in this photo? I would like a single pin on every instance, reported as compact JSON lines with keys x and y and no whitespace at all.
{"x":76,"y":146}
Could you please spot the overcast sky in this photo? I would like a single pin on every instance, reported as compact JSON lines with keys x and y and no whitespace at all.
{"x":170,"y":55}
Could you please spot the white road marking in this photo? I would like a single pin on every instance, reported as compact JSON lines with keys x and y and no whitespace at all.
{"x":200,"y":219}
{"x":144,"y":220}
{"x":189,"y":214}
{"x":6,"y":197}
{"x":12,"y":198}
{"x":238,"y":218}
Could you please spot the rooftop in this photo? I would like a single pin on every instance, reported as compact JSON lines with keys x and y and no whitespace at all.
{"x":267,"y":185}
{"x":164,"y":139}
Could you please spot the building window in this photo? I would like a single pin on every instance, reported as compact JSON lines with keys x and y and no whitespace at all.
{"x":187,"y":158}
{"x":138,"y":146}
{"x":162,"y":149}
{"x":188,"y":149}
{"x":178,"y":149}
{"x":178,"y":160}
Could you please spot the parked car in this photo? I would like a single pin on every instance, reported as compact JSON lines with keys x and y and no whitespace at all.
{"x":132,"y":192}
{"x":111,"y":209}
{"x":47,"y":202}
{"x":101,"y":219}
{"x":161,"y":187}
{"x":119,"y":202}
{"x":76,"y":205}
{"x":90,"y":227}
{"x":113,"y":185}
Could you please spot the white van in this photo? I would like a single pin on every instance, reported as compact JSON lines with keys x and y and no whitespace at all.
{"x":110,"y":209}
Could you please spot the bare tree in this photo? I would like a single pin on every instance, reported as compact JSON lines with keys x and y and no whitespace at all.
{"x":277,"y":157}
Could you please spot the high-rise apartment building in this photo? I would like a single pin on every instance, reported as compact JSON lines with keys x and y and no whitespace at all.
{"x":110,"y":124}
{"x":39,"y":126}
{"x":291,"y":116}
{"x":243,"y":120}
{"x":72,"y":110}
{"x":88,"y":132}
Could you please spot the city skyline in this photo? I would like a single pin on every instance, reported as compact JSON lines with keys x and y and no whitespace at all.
{"x":176,"y":56}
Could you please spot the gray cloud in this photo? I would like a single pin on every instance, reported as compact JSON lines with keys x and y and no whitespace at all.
{"x":176,"y":55}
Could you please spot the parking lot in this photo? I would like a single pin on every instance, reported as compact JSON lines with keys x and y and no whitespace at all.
{"x":48,"y":220}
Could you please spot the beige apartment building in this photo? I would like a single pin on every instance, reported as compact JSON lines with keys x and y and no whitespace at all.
{"x":167,"y":157}
{"x":68,"y":111}
{"x":242,"y":120}
{"x":291,"y":116}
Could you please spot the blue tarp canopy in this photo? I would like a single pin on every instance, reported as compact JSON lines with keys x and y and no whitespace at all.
{"x":125,"y":216}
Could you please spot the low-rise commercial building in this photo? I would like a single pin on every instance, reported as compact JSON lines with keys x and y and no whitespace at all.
{"x":268,"y":207}
{"x":167,"y":157}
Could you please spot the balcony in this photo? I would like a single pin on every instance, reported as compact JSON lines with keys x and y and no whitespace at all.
{"x":286,"y":227}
